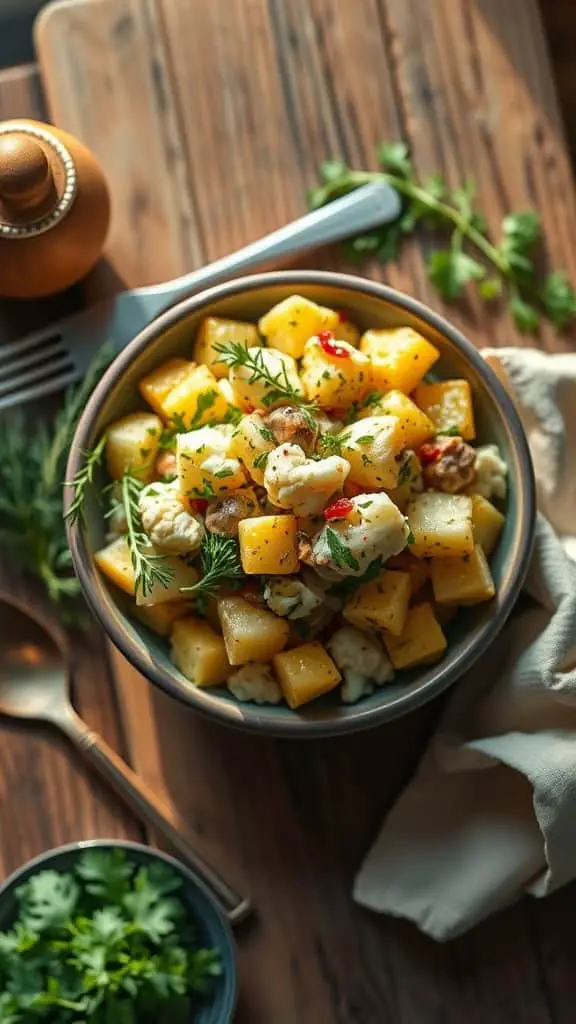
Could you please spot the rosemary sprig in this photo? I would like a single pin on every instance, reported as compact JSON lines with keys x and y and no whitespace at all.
{"x":506,"y":268}
{"x":221,"y":564}
{"x":150,"y":568}
{"x":278,"y":384}
{"x":83,"y":480}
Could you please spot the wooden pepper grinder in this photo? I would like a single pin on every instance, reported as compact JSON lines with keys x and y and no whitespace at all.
{"x":54,"y":209}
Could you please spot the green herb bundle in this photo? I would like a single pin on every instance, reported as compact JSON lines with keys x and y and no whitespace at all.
{"x":504,"y":268}
{"x":106,"y":942}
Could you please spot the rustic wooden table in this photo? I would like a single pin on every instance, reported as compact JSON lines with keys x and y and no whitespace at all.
{"x":209,"y":120}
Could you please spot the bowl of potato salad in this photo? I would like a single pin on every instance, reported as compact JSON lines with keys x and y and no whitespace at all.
{"x":301,"y":503}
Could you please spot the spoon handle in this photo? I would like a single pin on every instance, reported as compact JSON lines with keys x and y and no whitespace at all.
{"x":128,"y":785}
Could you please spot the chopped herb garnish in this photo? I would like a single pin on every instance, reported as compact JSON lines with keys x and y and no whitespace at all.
{"x":339,"y":552}
{"x":221,"y":564}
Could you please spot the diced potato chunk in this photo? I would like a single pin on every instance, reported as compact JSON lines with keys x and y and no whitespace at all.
{"x":417,"y":569}
{"x":415,"y":425}
{"x":258,"y":393}
{"x":448,"y":403}
{"x":421,"y":642}
{"x":115,"y":562}
{"x":372,"y":447}
{"x":161,"y":617}
{"x":409,"y":480}
{"x":441,"y":524}
{"x":381,"y":603}
{"x":132,"y":443}
{"x":250,"y":633}
{"x":304,"y":673}
{"x":346,"y":330}
{"x":155,"y":387}
{"x":251,"y":442}
{"x":215,"y":331}
{"x":334,"y":382}
{"x":196,"y":400}
{"x":289,"y":324}
{"x":400,"y":357}
{"x":463,"y":580}
{"x":205,"y":466}
{"x":487,"y":523}
{"x":199,"y":652}
{"x":269,"y":545}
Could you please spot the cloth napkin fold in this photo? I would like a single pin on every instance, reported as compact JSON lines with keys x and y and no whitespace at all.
{"x":491,"y":811}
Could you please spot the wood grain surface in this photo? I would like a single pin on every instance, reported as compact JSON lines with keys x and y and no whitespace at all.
{"x":209,"y":120}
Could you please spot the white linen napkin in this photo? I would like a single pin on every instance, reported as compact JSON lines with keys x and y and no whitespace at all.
{"x":491,"y":811}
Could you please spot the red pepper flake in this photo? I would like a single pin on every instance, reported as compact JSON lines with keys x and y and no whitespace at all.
{"x":199,"y":505}
{"x":249,"y":409}
{"x":339,"y":509}
{"x":343,"y":316}
{"x":330,"y":347}
{"x":428,"y":453}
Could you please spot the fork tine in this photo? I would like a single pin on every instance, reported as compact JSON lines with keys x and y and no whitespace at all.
{"x":38,"y":356}
{"x":14,"y":348}
{"x":46,"y":387}
{"x":36,"y":374}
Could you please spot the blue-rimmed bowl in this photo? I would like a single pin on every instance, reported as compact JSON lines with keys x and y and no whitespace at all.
{"x":370,"y":305}
{"x":211,"y":927}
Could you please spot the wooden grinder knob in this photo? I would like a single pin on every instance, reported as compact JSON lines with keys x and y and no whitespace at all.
{"x":26,"y":180}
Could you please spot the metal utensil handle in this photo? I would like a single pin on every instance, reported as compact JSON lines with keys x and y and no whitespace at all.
{"x":354,"y":213}
{"x":149,"y":808}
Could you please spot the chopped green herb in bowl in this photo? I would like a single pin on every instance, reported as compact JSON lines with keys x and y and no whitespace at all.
{"x":112,"y":932}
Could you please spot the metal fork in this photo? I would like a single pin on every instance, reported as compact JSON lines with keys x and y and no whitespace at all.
{"x":59,"y":355}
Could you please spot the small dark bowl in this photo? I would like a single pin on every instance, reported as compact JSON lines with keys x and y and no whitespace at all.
{"x":370,"y":305}
{"x":211,"y":925}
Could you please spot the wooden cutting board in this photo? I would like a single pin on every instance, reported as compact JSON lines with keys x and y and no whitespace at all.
{"x":209,"y":119}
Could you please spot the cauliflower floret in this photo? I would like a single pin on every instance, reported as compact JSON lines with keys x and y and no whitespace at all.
{"x":290,"y":598}
{"x":374,"y":528}
{"x":362,"y":661}
{"x":255,"y":682}
{"x":491,"y":472}
{"x":301,"y":484}
{"x":167,"y":522}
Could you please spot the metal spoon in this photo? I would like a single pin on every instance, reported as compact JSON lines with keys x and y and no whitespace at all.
{"x":34,"y":685}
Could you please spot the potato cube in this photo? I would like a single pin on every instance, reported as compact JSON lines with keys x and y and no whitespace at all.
{"x":132,"y":443}
{"x":205,"y":467}
{"x":251,"y":442}
{"x":156,"y":386}
{"x":250,"y":633}
{"x":346,"y":330}
{"x":400,"y":357}
{"x":257,"y":391}
{"x":441,"y":524}
{"x":334,"y":382}
{"x":421,"y":642}
{"x":289,"y":324}
{"x":115,"y":562}
{"x":372,"y":447}
{"x":409,"y":480}
{"x":269,"y":545}
{"x":196,"y":400}
{"x":199,"y":652}
{"x":448,"y":403}
{"x":381,"y":603}
{"x":463,"y":580}
{"x":415,"y":425}
{"x":417,"y":569}
{"x":212,"y":332}
{"x":161,"y":617}
{"x":305,"y":672}
{"x":487,"y":523}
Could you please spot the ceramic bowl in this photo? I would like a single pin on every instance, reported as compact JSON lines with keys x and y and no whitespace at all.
{"x":210,"y":923}
{"x":370,"y":305}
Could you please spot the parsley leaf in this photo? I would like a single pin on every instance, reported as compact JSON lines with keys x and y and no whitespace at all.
{"x":450,"y":271}
{"x":339,"y":552}
{"x":524,"y":315}
{"x":559,"y":299}
{"x":347,"y":586}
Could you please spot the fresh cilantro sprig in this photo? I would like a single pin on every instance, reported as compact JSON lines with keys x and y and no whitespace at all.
{"x":220,"y":557}
{"x":107,"y":941}
{"x":150,"y":568}
{"x":503,"y":268}
{"x":279,"y":387}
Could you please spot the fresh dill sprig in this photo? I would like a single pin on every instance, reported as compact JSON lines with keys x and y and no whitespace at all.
{"x":278,"y":384}
{"x":150,"y":568}
{"x":221,"y":564}
{"x":83,"y":480}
